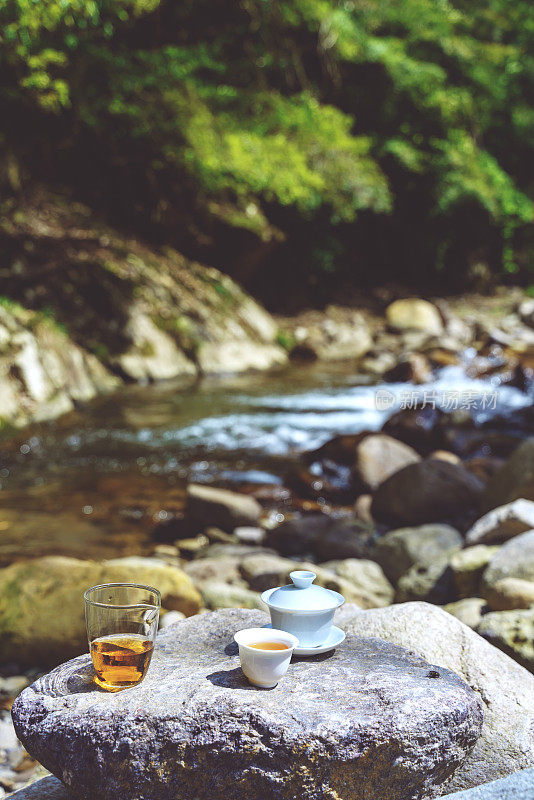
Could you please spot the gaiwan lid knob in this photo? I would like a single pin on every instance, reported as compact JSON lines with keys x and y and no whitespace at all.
{"x":302,"y":595}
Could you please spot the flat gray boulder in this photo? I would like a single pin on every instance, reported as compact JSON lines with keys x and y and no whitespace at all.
{"x":519,"y":786}
{"x":506,"y":689}
{"x":370,"y":720}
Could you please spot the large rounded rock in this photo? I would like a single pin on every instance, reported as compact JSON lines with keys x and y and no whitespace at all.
{"x":377,"y":457}
{"x":414,"y":314}
{"x":422,"y":427}
{"x":217,"y":594}
{"x":322,"y":537}
{"x":228,"y":510}
{"x":507,"y":690}
{"x":42,"y":608}
{"x":358,"y":580}
{"x":429,"y":491}
{"x":371,"y":720}
{"x":399,"y":550}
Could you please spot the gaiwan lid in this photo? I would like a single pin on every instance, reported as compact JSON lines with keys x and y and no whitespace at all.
{"x":302,"y":595}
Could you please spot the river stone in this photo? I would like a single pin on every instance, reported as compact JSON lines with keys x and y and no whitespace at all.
{"x":431,"y":583}
{"x":366,"y":589}
{"x":367,"y":578}
{"x":399,"y":550}
{"x":262,"y":571}
{"x":42,"y":609}
{"x":510,"y":593}
{"x":414,"y":314}
{"x":45,"y":789}
{"x":370,"y":720}
{"x":515,"y":559}
{"x":519,"y":786}
{"x":506,"y":689}
{"x":513,"y":480}
{"x":224,"y":569}
{"x":512,"y":632}
{"x":467,"y":567}
{"x":321,"y":536}
{"x":217,"y":594}
{"x":377,"y":457}
{"x":469,"y":610}
{"x":502,"y":523}
{"x":428,"y":491}
{"x":228,"y":510}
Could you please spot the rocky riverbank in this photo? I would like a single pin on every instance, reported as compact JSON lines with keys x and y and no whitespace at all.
{"x":85,"y":309}
{"x":436,"y":507}
{"x":454,"y":528}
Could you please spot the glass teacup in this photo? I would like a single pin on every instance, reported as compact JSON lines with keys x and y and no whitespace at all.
{"x":122,"y":623}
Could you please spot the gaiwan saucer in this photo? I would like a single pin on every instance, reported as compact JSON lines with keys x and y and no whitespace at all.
{"x":335,"y":637}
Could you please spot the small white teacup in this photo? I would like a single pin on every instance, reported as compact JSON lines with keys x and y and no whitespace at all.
{"x":265,"y":666}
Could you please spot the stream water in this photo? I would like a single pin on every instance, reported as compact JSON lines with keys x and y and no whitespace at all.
{"x":242,"y":429}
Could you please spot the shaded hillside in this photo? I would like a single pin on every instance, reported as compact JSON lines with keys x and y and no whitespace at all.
{"x":83,"y":308}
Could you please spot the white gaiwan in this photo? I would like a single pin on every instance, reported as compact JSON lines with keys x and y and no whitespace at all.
{"x":305,"y":610}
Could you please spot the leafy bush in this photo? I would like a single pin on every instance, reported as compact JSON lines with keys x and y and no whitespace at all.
{"x":356,"y":133}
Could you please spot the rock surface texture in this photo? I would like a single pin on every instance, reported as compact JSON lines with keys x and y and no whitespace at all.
{"x":519,"y":786}
{"x":371,"y":720}
{"x":506,"y":689}
{"x":45,"y":789}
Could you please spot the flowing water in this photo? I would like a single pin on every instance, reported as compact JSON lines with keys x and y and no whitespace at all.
{"x":242,"y":429}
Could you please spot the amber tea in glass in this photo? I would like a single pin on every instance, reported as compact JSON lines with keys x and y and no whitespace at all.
{"x":122,"y":622}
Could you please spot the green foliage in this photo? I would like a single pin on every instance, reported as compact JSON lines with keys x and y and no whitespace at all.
{"x":286,"y":340}
{"x":297,"y":120}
